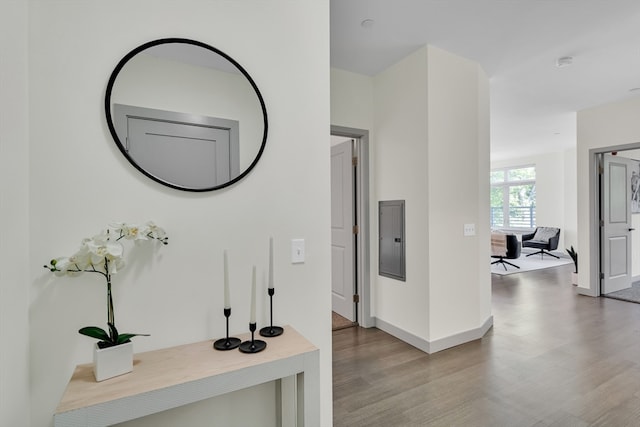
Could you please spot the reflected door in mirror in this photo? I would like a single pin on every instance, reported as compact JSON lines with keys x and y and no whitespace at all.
{"x":185,"y":150}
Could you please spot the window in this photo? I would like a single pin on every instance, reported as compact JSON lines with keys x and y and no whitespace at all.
{"x":513,"y":197}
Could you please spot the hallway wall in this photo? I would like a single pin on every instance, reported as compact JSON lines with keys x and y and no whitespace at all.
{"x":72,"y":180}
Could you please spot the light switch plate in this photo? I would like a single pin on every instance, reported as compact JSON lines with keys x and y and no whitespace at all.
{"x":297,"y":251}
{"x":469,"y":229}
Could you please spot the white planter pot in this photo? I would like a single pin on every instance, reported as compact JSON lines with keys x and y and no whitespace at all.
{"x":112,"y":361}
{"x":574,"y":279}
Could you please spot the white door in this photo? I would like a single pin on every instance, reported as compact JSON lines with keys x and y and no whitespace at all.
{"x":342,"y":238}
{"x":182,"y":154}
{"x":616,"y":232}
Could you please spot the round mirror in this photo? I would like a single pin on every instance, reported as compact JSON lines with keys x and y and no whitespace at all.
{"x":186,"y":114}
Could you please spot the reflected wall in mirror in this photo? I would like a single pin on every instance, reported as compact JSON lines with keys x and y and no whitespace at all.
{"x":186,"y":114}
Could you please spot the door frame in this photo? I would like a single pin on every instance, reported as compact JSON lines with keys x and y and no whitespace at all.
{"x":595,"y":194}
{"x":362,"y":258}
{"x":617,"y":230}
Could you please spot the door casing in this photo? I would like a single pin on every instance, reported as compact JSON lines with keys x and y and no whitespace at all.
{"x":594,"y":216}
{"x":362,"y":213}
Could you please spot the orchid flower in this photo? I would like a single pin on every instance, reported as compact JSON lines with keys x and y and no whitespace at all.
{"x":103,"y":254}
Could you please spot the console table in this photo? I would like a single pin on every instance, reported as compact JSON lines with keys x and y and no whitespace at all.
{"x":176,"y":376}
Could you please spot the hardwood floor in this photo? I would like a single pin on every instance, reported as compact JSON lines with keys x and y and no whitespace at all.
{"x":552,"y":358}
{"x":339,"y":322}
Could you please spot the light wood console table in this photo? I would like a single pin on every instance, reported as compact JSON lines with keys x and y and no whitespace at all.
{"x":176,"y":376}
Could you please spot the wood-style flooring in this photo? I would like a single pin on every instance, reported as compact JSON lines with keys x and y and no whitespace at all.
{"x":339,"y":322}
{"x":552,"y":358}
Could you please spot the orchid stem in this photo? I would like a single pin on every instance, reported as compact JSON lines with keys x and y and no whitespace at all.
{"x":110,"y":311}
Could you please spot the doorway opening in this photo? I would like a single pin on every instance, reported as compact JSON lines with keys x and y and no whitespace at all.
{"x":618,"y":222}
{"x":351,"y":294}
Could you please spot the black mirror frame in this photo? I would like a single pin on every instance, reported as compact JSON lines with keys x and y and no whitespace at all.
{"x":112,"y":130}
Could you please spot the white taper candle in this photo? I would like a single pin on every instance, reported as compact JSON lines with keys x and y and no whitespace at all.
{"x":270,"y":262}
{"x":253,"y":297}
{"x":227,"y":303}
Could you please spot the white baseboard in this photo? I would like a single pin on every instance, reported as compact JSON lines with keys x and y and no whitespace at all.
{"x":439,"y":344}
{"x":403,"y":335}
{"x":596,"y":292}
{"x":587,"y":291}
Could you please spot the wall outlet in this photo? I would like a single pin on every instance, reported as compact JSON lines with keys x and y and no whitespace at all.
{"x":469,"y":230}
{"x":297,"y":251}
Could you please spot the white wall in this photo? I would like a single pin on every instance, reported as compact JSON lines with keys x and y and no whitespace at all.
{"x":80,"y":182}
{"x":419,"y":105}
{"x":458,"y":160}
{"x":14,"y":215}
{"x":612,"y":125}
{"x":570,"y":199}
{"x":555,"y":191}
{"x":400,"y":173}
{"x":352,"y":100}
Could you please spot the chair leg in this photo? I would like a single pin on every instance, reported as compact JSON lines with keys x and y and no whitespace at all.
{"x":503,"y":262}
{"x":542,"y":253}
{"x":500,"y":261}
{"x":512,"y":265}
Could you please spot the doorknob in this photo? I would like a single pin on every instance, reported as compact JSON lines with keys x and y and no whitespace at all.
{"x":631,"y":229}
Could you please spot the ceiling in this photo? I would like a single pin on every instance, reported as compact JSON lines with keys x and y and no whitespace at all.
{"x":517,"y":43}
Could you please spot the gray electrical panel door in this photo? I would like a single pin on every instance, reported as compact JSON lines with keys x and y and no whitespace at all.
{"x":391,"y":249}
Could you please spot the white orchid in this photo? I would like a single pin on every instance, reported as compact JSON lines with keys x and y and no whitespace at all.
{"x":102,"y":246}
{"x":128,"y":231}
{"x":103,"y":254}
{"x":68,"y":265}
{"x":137,"y":232}
{"x":155,"y":232}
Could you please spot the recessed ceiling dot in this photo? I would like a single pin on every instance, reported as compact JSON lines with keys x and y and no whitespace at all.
{"x":367,"y":23}
{"x":565,"y":61}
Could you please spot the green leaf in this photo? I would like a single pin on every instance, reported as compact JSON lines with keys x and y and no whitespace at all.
{"x":123,"y":338}
{"x":95,"y":332}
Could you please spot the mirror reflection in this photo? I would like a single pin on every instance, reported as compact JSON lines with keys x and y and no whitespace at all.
{"x":186,"y":114}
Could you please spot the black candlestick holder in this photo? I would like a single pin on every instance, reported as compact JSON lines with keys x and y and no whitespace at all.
{"x":227,"y":343}
{"x":253,"y":346}
{"x":271,"y":331}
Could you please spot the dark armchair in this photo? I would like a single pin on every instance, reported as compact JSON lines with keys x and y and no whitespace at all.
{"x":505,"y":246}
{"x":544,"y":238}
